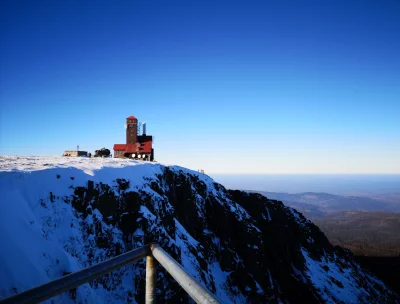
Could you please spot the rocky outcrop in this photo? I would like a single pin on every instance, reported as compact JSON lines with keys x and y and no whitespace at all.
{"x":242,"y":246}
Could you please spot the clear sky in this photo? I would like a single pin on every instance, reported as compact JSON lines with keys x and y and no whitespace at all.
{"x":225,"y":86}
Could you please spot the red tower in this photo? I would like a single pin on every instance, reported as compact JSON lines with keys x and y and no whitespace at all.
{"x":131,"y":130}
{"x":137,"y":146}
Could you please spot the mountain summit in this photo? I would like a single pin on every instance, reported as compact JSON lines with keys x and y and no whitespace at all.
{"x":59,"y":215}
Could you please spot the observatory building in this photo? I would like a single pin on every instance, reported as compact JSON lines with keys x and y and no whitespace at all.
{"x":137,"y":146}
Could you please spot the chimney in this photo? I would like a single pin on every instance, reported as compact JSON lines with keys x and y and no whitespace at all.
{"x":144,"y":128}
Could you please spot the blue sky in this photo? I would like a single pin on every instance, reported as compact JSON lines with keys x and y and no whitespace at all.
{"x":226,"y":86}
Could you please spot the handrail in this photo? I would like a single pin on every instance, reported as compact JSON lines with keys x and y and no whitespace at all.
{"x":198,"y":292}
{"x":48,"y":290}
{"x":70,"y":281}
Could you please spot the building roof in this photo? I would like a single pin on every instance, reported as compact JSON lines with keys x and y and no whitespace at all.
{"x":132,"y":148}
{"x":119,"y":147}
{"x":144,"y":147}
{"x":131,"y":117}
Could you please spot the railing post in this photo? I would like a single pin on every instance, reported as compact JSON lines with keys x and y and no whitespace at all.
{"x":151,"y":278}
{"x":198,"y":292}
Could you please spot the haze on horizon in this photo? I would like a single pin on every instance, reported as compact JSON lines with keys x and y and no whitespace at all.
{"x":241,"y":87}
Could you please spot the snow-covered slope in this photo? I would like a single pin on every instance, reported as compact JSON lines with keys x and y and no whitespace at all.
{"x":58,"y":215}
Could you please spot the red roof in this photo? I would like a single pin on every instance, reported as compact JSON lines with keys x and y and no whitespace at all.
{"x":119,"y":147}
{"x":132,"y":148}
{"x":131,"y":117}
{"x":144,"y":147}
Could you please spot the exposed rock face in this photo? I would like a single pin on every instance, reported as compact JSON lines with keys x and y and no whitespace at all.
{"x":243,"y":247}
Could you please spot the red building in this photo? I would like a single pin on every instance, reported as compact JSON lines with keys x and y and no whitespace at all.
{"x":137,"y":146}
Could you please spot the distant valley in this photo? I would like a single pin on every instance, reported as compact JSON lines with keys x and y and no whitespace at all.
{"x":367,"y":226}
{"x":313,"y":204}
{"x":364,"y":233}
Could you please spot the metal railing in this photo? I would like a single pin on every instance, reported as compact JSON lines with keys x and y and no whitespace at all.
{"x":154,"y":254}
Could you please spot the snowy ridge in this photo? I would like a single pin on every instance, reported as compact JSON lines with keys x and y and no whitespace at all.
{"x":61,"y":214}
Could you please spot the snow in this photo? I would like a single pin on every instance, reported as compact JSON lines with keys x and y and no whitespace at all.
{"x":36,"y":230}
{"x":88,"y":165}
{"x":294,"y":213}
{"x":329,"y":290}
{"x":147,"y":214}
{"x":220,"y":280}
{"x":104,"y":170}
{"x":268,"y":217}
{"x":270,"y":279}
{"x":40,"y":239}
{"x":186,"y":242}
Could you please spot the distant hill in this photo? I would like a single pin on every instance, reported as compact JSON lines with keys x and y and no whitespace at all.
{"x":361,"y":224}
{"x":373,"y":236}
{"x":364,"y":233}
{"x":319,"y":204}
